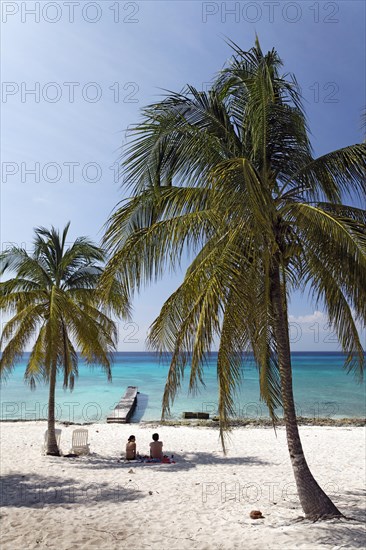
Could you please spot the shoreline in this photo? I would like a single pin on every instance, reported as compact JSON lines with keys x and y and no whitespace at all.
{"x":212,"y":422}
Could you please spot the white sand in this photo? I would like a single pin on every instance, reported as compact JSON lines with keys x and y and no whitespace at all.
{"x":201,"y":502}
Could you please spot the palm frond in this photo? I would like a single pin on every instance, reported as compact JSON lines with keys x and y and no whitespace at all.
{"x":228,"y":176}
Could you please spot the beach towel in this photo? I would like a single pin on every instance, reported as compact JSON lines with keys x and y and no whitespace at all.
{"x":148,"y":460}
{"x":164,"y":460}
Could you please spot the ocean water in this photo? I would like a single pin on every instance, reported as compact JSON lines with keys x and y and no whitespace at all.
{"x":322,"y":388}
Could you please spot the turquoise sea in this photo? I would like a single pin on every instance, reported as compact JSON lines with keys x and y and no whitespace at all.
{"x":321,"y":387}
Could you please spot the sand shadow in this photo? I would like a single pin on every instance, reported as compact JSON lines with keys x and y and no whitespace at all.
{"x":348,"y":508}
{"x":341,"y":534}
{"x":344,"y":533}
{"x":183,"y":462}
{"x":35,"y":491}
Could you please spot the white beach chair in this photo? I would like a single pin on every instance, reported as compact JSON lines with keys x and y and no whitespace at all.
{"x":80,"y":444}
{"x":58,"y":439}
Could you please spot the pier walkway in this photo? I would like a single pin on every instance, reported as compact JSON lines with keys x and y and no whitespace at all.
{"x":125,"y":408}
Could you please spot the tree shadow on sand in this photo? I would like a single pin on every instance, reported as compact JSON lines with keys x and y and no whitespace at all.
{"x":350,"y":504}
{"x":341,"y":534}
{"x":35,"y":491}
{"x":344,"y":533}
{"x":183,"y":462}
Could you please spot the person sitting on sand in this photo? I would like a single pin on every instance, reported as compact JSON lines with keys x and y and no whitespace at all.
{"x":156,"y":447}
{"x":131,"y":448}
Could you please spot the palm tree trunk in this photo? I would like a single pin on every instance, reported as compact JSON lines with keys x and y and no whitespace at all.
{"x":315,"y":503}
{"x":52,"y":448}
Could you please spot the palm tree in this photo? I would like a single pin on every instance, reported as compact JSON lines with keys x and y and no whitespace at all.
{"x":52,"y":300}
{"x":229,"y":176}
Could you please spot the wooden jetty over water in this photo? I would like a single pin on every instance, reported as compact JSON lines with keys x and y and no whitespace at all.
{"x":125,"y":408}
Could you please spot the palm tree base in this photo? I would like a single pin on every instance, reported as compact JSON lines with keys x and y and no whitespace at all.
{"x":324,"y":517}
{"x":53,"y":453}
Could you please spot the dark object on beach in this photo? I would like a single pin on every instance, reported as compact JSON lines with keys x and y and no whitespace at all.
{"x":125,"y":408}
{"x":256,"y":514}
{"x":199,"y":415}
{"x":70,"y":455}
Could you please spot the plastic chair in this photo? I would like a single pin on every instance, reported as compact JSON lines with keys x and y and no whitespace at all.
{"x":80,"y":444}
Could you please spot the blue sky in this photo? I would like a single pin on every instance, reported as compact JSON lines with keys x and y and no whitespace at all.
{"x":93,"y":65}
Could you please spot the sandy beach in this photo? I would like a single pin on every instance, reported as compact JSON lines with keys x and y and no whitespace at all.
{"x":201,"y":502}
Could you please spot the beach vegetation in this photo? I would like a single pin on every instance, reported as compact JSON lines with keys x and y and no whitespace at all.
{"x":227,"y":178}
{"x":54,"y":308}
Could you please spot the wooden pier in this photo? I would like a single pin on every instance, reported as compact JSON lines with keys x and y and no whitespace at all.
{"x":125,"y":408}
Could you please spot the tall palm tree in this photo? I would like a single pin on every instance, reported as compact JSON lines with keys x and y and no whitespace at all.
{"x":229,"y":176}
{"x":53,"y":301}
